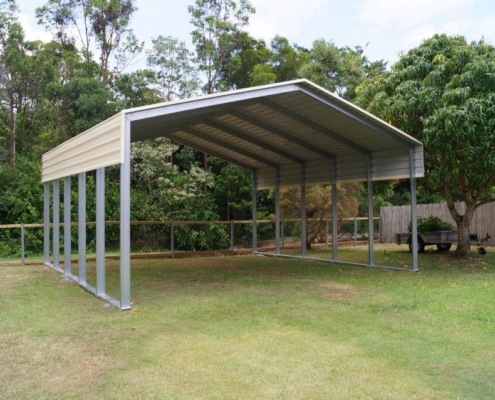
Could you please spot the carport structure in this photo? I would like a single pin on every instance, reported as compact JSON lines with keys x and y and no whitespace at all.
{"x":286,"y":134}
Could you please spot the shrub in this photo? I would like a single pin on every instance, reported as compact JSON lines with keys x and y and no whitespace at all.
{"x":432,"y":223}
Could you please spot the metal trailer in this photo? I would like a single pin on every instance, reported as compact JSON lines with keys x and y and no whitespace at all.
{"x":442,"y":239}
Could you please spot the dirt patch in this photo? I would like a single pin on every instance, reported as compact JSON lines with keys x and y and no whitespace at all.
{"x":333,"y":290}
{"x":336,"y":291}
{"x":355,"y":272}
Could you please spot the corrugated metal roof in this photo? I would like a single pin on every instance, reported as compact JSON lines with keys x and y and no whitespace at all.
{"x":280,"y":125}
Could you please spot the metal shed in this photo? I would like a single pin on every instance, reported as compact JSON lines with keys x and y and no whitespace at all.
{"x":286,"y":134}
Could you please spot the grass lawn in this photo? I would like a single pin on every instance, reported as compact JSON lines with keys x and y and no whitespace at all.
{"x":250,"y":327}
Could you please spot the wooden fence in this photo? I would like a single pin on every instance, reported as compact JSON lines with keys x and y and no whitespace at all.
{"x":396,"y":219}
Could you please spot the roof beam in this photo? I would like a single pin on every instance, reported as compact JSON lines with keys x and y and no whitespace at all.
{"x":230,"y":147}
{"x":249,"y":139}
{"x":282,"y":134}
{"x":362,"y":120}
{"x":186,"y":142}
{"x":313,"y":125}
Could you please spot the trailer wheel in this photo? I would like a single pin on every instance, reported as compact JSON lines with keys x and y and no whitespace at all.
{"x":444,"y":246}
{"x":421,"y":245}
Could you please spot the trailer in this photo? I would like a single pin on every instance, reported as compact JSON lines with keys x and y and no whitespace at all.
{"x":442,"y":239}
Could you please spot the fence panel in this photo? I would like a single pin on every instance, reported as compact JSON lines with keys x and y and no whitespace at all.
{"x":396,"y":219}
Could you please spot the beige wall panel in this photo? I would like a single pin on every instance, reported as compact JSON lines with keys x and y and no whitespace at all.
{"x":98,"y":147}
{"x":387,"y":165}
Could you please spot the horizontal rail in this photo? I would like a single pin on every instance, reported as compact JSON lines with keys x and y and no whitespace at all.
{"x":260,"y":221}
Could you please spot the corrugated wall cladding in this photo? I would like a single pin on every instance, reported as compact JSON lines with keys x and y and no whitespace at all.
{"x":396,"y":219}
{"x":395,"y":164}
{"x":98,"y":147}
{"x":317,"y":172}
{"x":391,"y":164}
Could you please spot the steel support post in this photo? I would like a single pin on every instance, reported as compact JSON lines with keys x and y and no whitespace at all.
{"x":125,"y":220}
{"x":335,"y":233}
{"x":277,"y":210}
{"x":23,"y":258}
{"x":46,"y":223}
{"x":371,"y":247}
{"x":81,"y":231}
{"x":303,"y":210}
{"x":327,"y":233}
{"x":172,"y":238}
{"x":232,"y":234}
{"x":56,"y":223}
{"x":282,"y":233}
{"x":67,"y":226}
{"x":355,"y":231}
{"x":414,"y":219}
{"x":100,"y":231}
{"x":254,"y":211}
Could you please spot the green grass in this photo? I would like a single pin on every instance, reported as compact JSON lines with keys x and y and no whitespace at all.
{"x":255,"y":328}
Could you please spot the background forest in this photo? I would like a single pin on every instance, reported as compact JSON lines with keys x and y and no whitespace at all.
{"x":52,"y":91}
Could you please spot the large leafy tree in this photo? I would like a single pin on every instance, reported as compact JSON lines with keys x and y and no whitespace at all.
{"x":95,"y":23}
{"x":218,"y":25}
{"x":174,"y":74}
{"x":12,"y":57}
{"x":338,"y":69}
{"x":443,"y":93}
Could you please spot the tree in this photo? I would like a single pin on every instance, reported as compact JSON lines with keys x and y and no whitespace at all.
{"x":104,"y":21}
{"x":339,"y":70}
{"x":287,"y":60}
{"x":238,"y":69}
{"x":319,"y":206}
{"x":11,"y":58}
{"x":85,"y":103}
{"x":218,"y":25}
{"x":443,"y":93}
{"x":135,"y":89}
{"x":172,"y":64}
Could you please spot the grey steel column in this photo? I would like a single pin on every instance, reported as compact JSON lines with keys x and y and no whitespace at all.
{"x":56,"y":223}
{"x":371,"y":246}
{"x":303,"y":210}
{"x":282,"y":234}
{"x":335,"y":228}
{"x":46,"y":227}
{"x":125,"y":220}
{"x":67,"y":226}
{"x":254,"y":210}
{"x":172,"y":238}
{"x":232,"y":234}
{"x":414,"y":219}
{"x":327,"y":234}
{"x":23,"y":258}
{"x":81,"y":209}
{"x":100,"y":231}
{"x":277,"y":210}
{"x":355,"y":231}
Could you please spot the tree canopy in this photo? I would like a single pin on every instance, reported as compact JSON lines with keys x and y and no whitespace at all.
{"x":443,"y":93}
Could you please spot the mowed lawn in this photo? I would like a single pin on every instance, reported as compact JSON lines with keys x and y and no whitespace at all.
{"x":249,"y":327}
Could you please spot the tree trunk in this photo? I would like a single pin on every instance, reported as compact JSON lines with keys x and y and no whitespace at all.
{"x":463,"y":222}
{"x":12,"y":133}
{"x":464,"y":244}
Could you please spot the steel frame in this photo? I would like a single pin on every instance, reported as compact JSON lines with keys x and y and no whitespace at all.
{"x":125,"y":223}
{"x":205,"y":114}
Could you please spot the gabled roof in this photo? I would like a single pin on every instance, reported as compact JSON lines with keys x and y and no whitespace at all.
{"x":284,"y":125}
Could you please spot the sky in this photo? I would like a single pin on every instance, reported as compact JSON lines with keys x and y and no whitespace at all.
{"x":384,"y":27}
